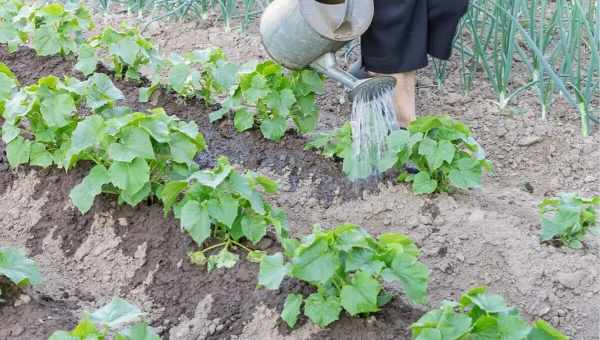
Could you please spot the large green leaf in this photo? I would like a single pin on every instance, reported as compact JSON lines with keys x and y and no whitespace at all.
{"x":18,"y":151}
{"x":213,"y":178}
{"x":443,"y":324}
{"x":170,"y":192}
{"x":490,"y":303}
{"x":178,"y":76}
{"x":140,"y":331}
{"x":127,"y":49}
{"x":195,"y":220}
{"x":291,"y":309}
{"x":423,"y":183}
{"x":224,"y":209}
{"x":315,"y":263}
{"x":84,"y":193}
{"x":411,"y":274}
{"x":243,"y":119}
{"x":241,"y":185}
{"x":321,"y":310}
{"x":130,"y":177}
{"x":437,"y":153}
{"x":135,"y":142}
{"x":183,"y":149}
{"x":88,"y":133}
{"x":40,"y":156}
{"x":360,"y":296}
{"x":116,"y":313}
{"x":466,"y":174}
{"x":57,"y":109}
{"x":274,"y":129}
{"x":18,"y":268}
{"x":272,"y":271}
{"x":87,"y":61}
{"x":254,"y":227}
{"x":46,"y":41}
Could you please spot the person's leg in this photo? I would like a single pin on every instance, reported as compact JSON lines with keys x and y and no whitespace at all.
{"x":405,"y":97}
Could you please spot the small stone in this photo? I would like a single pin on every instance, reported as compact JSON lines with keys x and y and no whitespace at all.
{"x":528,"y":187}
{"x":265,"y":243}
{"x":22,"y":300}
{"x":426,"y":220}
{"x":589,"y":179}
{"x":460,"y":257}
{"x":17,"y":330}
{"x":530,"y":140}
{"x":123,"y":222}
{"x":561,"y":313}
{"x":571,"y":280}
{"x":544,"y":310}
{"x":179,"y":264}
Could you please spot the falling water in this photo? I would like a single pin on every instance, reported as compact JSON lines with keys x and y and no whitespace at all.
{"x":373,"y":118}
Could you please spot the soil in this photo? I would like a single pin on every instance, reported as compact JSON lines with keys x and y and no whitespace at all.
{"x":482,"y":237}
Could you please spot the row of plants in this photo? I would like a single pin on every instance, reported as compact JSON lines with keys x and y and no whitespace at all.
{"x":441,"y":149}
{"x":554,"y":44}
{"x":257,"y":95}
{"x":134,"y":156}
{"x":347,"y":267}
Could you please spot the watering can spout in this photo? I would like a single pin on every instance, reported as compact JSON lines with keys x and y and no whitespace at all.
{"x":363,"y":88}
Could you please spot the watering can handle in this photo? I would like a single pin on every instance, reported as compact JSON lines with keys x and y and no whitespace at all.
{"x":346,"y":23}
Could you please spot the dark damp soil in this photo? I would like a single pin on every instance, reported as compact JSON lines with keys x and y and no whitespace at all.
{"x":36,"y":319}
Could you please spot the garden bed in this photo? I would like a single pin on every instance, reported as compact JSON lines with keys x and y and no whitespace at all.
{"x":483,"y":237}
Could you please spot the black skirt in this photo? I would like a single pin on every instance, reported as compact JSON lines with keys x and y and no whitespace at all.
{"x":404,"y":32}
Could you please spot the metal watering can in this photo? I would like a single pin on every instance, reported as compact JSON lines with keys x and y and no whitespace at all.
{"x":307,"y":33}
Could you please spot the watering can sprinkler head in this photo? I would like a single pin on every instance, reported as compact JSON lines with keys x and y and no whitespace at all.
{"x":357,"y":88}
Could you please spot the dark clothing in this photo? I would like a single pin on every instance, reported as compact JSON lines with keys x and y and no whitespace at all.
{"x":404,"y":32}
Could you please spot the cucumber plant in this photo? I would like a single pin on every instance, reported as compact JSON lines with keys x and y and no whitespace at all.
{"x":110,"y":322}
{"x":134,"y":155}
{"x":480,"y":315}
{"x":444,"y":152}
{"x":266,"y":97}
{"x":58,"y":28}
{"x":347,"y":267}
{"x":225,"y":205}
{"x":201,"y":73}
{"x":124,"y":51}
{"x":19,"y":269}
{"x":8,"y":85}
{"x":335,"y":144}
{"x":568,"y":219}
{"x":39,"y":119}
{"x":14,"y":23}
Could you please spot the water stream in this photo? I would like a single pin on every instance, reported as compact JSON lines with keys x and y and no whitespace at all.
{"x":373,"y":118}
